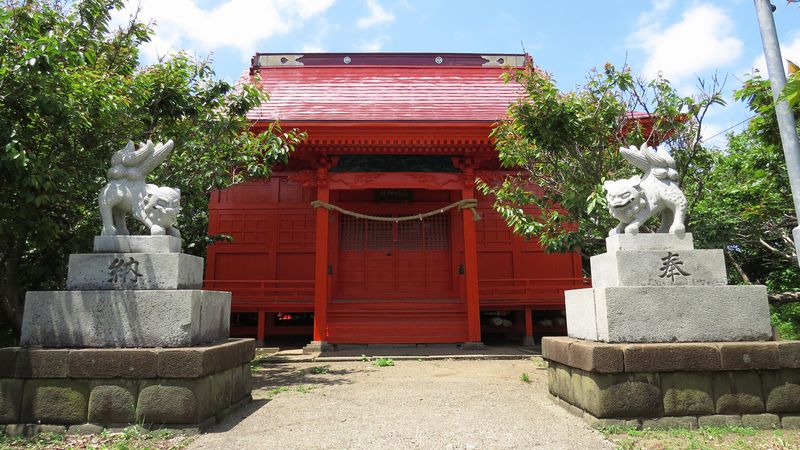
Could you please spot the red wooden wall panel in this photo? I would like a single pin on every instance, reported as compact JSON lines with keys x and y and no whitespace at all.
{"x":403,"y":292}
{"x":270,"y":261}
{"x":515,"y":272}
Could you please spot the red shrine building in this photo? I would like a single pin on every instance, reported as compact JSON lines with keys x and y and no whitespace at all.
{"x":324,"y":249}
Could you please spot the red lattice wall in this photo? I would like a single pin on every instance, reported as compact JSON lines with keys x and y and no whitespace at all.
{"x":389,"y":282}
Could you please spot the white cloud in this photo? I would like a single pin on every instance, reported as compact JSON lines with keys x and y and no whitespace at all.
{"x":374,"y":45}
{"x":790,"y":50}
{"x":312,"y":47}
{"x":659,"y":8}
{"x":713,"y":135}
{"x":662,"y":5}
{"x":377,"y":15}
{"x":702,"y":40}
{"x":239,"y":24}
{"x":314,"y":43}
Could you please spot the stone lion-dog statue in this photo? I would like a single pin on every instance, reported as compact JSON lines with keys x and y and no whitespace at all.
{"x":157,"y":207}
{"x":634,"y":200}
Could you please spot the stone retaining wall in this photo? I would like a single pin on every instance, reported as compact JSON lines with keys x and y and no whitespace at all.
{"x":683,"y":384}
{"x":52,"y":389}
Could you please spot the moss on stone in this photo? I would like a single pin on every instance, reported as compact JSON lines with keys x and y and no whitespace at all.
{"x":112,"y":401}
{"x":55,"y":401}
{"x":687,"y":394}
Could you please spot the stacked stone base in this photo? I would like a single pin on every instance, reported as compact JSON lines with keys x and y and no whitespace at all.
{"x":86,"y":390}
{"x":668,"y":385}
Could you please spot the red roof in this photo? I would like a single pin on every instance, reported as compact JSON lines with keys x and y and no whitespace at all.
{"x":384,"y":87}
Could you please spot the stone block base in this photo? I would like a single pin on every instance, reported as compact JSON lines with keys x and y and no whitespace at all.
{"x":754,"y":384}
{"x":137,"y":244}
{"x":93,"y":271}
{"x":134,"y":318}
{"x":182,"y":387}
{"x":314,"y":347}
{"x":668,"y":313}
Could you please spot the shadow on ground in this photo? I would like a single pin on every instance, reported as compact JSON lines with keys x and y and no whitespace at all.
{"x":456,"y":351}
{"x":277,"y":376}
{"x":270,"y":379}
{"x":290,"y":372}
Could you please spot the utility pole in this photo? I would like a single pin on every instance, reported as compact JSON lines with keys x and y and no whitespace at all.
{"x":786,"y":122}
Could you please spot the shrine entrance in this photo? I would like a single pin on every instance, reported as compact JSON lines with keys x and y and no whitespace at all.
{"x":395,"y":280}
{"x":388,"y":260}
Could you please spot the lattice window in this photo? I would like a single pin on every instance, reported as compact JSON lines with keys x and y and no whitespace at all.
{"x":409,"y":235}
{"x":437,"y":232}
{"x":431,"y":233}
{"x":379,"y":235}
{"x":352,"y":233}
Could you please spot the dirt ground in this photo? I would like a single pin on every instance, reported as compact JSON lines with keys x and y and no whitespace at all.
{"x":415,"y":404}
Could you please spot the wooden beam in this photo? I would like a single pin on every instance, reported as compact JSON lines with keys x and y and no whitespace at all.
{"x":396,"y":180}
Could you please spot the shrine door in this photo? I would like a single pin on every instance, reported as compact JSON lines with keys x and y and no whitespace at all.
{"x":404,"y":260}
{"x":395,"y":282}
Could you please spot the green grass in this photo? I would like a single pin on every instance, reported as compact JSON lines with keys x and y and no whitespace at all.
{"x":303,"y":389}
{"x":734,"y":437}
{"x":40,"y":441}
{"x":539,"y":362}
{"x":275,"y":391}
{"x":525,"y":378}
{"x":128,"y":439}
{"x":259,"y":362}
{"x":786,"y":319}
{"x":384,"y":362}
{"x":320,"y":369}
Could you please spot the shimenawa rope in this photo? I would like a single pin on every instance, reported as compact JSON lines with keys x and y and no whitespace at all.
{"x":467,"y":203}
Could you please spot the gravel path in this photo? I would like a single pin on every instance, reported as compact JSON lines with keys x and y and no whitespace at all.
{"x":414,"y":404}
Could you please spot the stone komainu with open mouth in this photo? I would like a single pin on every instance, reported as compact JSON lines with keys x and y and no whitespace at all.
{"x":634,"y":200}
{"x":157,"y":207}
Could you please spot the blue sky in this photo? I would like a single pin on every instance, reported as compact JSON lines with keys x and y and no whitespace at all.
{"x":682,"y":39}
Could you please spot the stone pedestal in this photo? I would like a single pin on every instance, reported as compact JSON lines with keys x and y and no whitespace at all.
{"x":88,"y":389}
{"x":134,"y":340}
{"x":90,"y":272}
{"x":658,"y":288}
{"x":668,"y":385}
{"x":661,"y":341}
{"x":135,"y":318}
{"x":121,"y":296}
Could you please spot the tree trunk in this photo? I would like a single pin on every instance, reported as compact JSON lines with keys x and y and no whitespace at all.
{"x":781,"y":299}
{"x":738,"y":267}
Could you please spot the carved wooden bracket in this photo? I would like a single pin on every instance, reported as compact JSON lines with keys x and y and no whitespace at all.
{"x":304,"y":177}
{"x":396,"y":180}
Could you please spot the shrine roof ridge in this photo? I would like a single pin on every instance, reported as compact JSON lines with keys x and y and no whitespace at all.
{"x":262,"y":60}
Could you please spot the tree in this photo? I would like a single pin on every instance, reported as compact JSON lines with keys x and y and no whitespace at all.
{"x":791,"y":92}
{"x":761,"y":194}
{"x":71,"y":94}
{"x":747,"y":211}
{"x":747,"y":208}
{"x":565,"y":144}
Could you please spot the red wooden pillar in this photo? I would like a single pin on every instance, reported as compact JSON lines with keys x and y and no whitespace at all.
{"x":321,"y":257}
{"x":528,"y":340}
{"x":471,"y":261}
{"x":262,"y":325}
